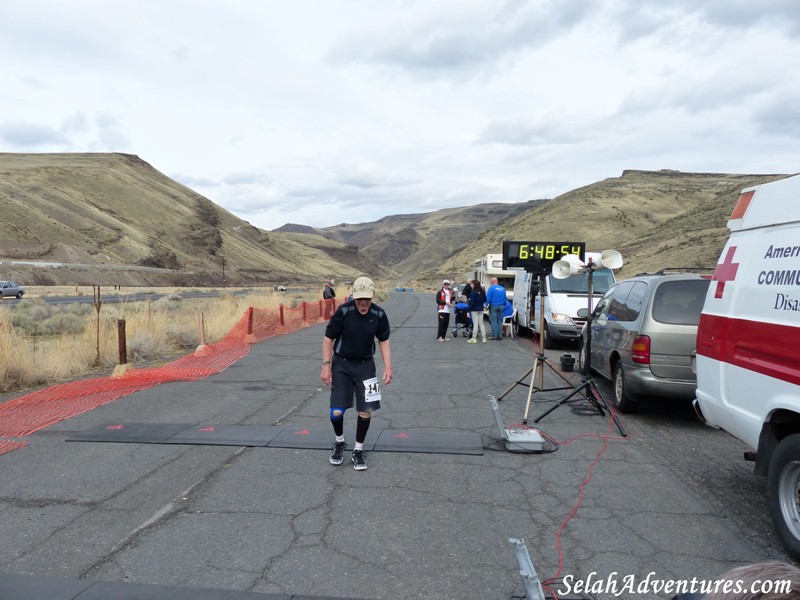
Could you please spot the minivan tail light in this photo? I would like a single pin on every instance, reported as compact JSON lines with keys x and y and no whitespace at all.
{"x":640,"y":353}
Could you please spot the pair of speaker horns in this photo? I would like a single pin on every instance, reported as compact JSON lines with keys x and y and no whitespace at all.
{"x":571,"y":264}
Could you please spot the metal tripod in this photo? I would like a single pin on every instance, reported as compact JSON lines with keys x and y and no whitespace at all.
{"x":588,"y":386}
{"x":536,"y":372}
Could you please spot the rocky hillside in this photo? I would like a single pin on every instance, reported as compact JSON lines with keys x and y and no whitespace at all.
{"x":418,"y":242}
{"x":656,"y":219}
{"x":114,"y":219}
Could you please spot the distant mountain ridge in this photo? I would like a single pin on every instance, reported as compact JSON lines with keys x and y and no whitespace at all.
{"x":411,"y":243}
{"x":656,"y":219}
{"x":118,"y":211}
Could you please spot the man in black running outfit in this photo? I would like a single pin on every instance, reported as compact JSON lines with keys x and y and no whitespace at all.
{"x":348,"y":363}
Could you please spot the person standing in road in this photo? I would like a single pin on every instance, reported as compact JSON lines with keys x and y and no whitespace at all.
{"x":444,"y":302}
{"x":348,"y":366}
{"x":467,"y":291}
{"x":328,"y":294}
{"x":496,"y":299}
{"x":477,"y":300}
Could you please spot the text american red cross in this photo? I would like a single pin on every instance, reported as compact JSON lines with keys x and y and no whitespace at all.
{"x":725,"y":271}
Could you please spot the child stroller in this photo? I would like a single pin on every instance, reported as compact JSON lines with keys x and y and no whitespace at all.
{"x":463,"y":320}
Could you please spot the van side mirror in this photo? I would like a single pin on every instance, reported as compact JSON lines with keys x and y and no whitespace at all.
{"x":583,"y":313}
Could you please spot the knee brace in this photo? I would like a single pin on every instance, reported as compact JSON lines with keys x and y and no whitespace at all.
{"x":339,"y":416}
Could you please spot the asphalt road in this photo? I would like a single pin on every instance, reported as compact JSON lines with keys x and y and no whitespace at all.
{"x":673,"y":499}
{"x":708,"y":460}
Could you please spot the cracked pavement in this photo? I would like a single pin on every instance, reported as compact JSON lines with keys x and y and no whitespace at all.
{"x":412,"y":526}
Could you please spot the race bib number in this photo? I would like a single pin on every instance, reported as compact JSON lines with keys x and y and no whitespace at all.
{"x":372,"y":390}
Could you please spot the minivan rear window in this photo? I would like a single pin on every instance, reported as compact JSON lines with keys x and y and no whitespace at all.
{"x":680,"y":302}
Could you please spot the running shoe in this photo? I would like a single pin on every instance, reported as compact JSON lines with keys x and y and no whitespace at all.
{"x":337,"y":453}
{"x":359,"y":460}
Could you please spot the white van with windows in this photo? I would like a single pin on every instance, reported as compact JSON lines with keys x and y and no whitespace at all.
{"x":563,"y":298}
{"x":748,"y":344}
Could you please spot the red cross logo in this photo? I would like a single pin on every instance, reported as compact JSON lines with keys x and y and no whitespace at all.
{"x":725,"y":271}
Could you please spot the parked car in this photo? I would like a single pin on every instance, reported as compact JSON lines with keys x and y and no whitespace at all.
{"x":644,"y":335}
{"x":11,"y":288}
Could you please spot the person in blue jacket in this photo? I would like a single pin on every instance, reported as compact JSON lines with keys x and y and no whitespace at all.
{"x":496,"y":300}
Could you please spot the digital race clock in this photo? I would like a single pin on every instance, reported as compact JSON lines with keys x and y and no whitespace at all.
{"x":538,"y":257}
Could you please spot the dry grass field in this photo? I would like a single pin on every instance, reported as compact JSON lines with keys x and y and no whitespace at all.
{"x":43,"y":344}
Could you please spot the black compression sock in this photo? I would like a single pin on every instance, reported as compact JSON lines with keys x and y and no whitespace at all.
{"x":362,"y":425}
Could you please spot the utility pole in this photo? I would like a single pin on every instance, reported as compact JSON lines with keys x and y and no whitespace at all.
{"x":223,"y":272}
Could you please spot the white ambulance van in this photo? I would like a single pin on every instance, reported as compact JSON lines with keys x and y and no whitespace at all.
{"x":563,"y":298}
{"x":748,"y":344}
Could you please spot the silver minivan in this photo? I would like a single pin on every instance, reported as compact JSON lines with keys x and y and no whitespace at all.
{"x":644,"y":335}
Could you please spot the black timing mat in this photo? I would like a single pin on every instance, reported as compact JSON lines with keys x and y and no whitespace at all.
{"x":226,"y":435}
{"x":142,"y":433}
{"x":25,"y":587}
{"x":33,"y":587}
{"x":317,"y":438}
{"x":435,"y":442}
{"x":307,"y":438}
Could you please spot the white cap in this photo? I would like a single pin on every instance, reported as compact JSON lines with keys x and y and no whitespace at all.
{"x":363,"y":287}
{"x":445,"y":281}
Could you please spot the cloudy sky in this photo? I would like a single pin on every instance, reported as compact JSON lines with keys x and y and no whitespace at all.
{"x":321,"y":112}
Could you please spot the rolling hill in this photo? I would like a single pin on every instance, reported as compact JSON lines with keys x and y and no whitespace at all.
{"x":416,"y":242}
{"x":656,"y":219}
{"x":114,"y":219}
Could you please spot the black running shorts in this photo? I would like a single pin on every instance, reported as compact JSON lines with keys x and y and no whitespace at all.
{"x":348,"y":381}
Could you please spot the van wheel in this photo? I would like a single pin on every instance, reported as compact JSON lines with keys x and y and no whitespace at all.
{"x":623,"y":400}
{"x":548,"y":339}
{"x":783,"y":485}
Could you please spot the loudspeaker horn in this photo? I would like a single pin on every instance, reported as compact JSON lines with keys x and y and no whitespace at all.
{"x":610,"y":259}
{"x":570,"y":264}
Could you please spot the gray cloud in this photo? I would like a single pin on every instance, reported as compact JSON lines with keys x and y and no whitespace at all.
{"x":31,"y":135}
{"x":402,"y":106}
{"x":780,"y":118}
{"x":784,"y":14}
{"x":519,"y":133}
{"x":242,"y":178}
{"x":466,"y":41}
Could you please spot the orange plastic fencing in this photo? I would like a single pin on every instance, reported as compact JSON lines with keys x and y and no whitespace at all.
{"x":30,"y":413}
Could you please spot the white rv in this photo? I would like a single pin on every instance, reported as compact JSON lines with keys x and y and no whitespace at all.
{"x":748,"y":344}
{"x":490,"y":266}
{"x":563,"y":298}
